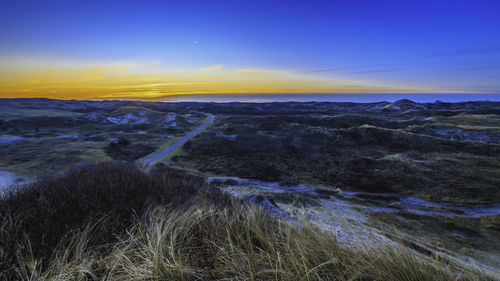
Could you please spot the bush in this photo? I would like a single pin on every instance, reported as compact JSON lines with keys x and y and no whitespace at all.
{"x":256,"y":169}
{"x":123,"y":141}
{"x":123,"y":149}
{"x":114,"y":193}
{"x":187,"y":145}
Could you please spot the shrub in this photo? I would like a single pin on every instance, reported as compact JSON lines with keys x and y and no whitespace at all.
{"x":187,"y":145}
{"x":123,"y":149}
{"x":46,"y":211}
{"x":123,"y":141}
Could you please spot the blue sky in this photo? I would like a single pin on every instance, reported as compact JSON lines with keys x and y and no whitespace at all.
{"x":402,"y":45}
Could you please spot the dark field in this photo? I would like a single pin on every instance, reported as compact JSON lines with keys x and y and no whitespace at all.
{"x":439,"y":152}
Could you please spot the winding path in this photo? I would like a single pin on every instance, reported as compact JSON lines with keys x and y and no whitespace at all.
{"x":153,"y":158}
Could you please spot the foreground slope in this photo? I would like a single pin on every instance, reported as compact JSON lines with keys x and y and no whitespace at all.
{"x":116,"y":221}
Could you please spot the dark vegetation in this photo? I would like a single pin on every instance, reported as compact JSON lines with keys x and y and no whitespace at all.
{"x":122,"y":149}
{"x":416,"y":152}
{"x":115,"y":221}
{"x":108,"y":197}
{"x":41,"y":136}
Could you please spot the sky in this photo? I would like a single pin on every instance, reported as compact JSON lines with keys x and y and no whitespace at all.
{"x":150,"y":49}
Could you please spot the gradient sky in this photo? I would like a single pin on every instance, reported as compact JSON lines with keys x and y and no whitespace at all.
{"x":120,"y":49}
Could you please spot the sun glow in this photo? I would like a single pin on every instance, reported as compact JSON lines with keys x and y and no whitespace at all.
{"x":139,"y":80}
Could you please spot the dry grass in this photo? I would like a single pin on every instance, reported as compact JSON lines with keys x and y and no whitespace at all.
{"x":208,"y":237}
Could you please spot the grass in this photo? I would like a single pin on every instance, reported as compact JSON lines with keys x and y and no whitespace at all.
{"x":12,"y":113}
{"x":117,"y":221}
{"x":50,"y":147}
{"x":376,"y":153}
{"x":472,"y":237}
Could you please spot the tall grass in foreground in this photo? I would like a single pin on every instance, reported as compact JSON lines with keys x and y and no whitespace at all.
{"x":205,"y":237}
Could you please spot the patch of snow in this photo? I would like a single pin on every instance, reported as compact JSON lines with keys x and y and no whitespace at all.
{"x":348,"y":219}
{"x":93,"y":116}
{"x":221,"y":134}
{"x":399,"y":157}
{"x":127,"y":119}
{"x":14,"y":139}
{"x":75,"y":136}
{"x":8,"y":179}
{"x":171,"y":125}
{"x":114,"y":120}
{"x":169,"y":118}
{"x":443,"y":132}
{"x":378,"y":203}
{"x":324,"y":132}
{"x":467,"y":136}
{"x":476,"y":136}
{"x":391,"y":106}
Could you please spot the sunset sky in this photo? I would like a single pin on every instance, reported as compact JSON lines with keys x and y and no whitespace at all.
{"x":151,"y":49}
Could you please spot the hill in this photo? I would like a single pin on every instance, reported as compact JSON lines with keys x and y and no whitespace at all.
{"x":117,"y":221}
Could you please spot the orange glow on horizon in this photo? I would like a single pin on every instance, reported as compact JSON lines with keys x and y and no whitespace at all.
{"x":122,"y":82}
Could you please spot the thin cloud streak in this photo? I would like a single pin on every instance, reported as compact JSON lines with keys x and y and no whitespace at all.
{"x":354,"y":67}
{"x":212,"y":68}
{"x":375,"y":71}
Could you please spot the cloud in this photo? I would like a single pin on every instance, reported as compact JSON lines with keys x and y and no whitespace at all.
{"x":196,"y":42}
{"x":353,"y":67}
{"x":375,"y":71}
{"x":211,"y":68}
